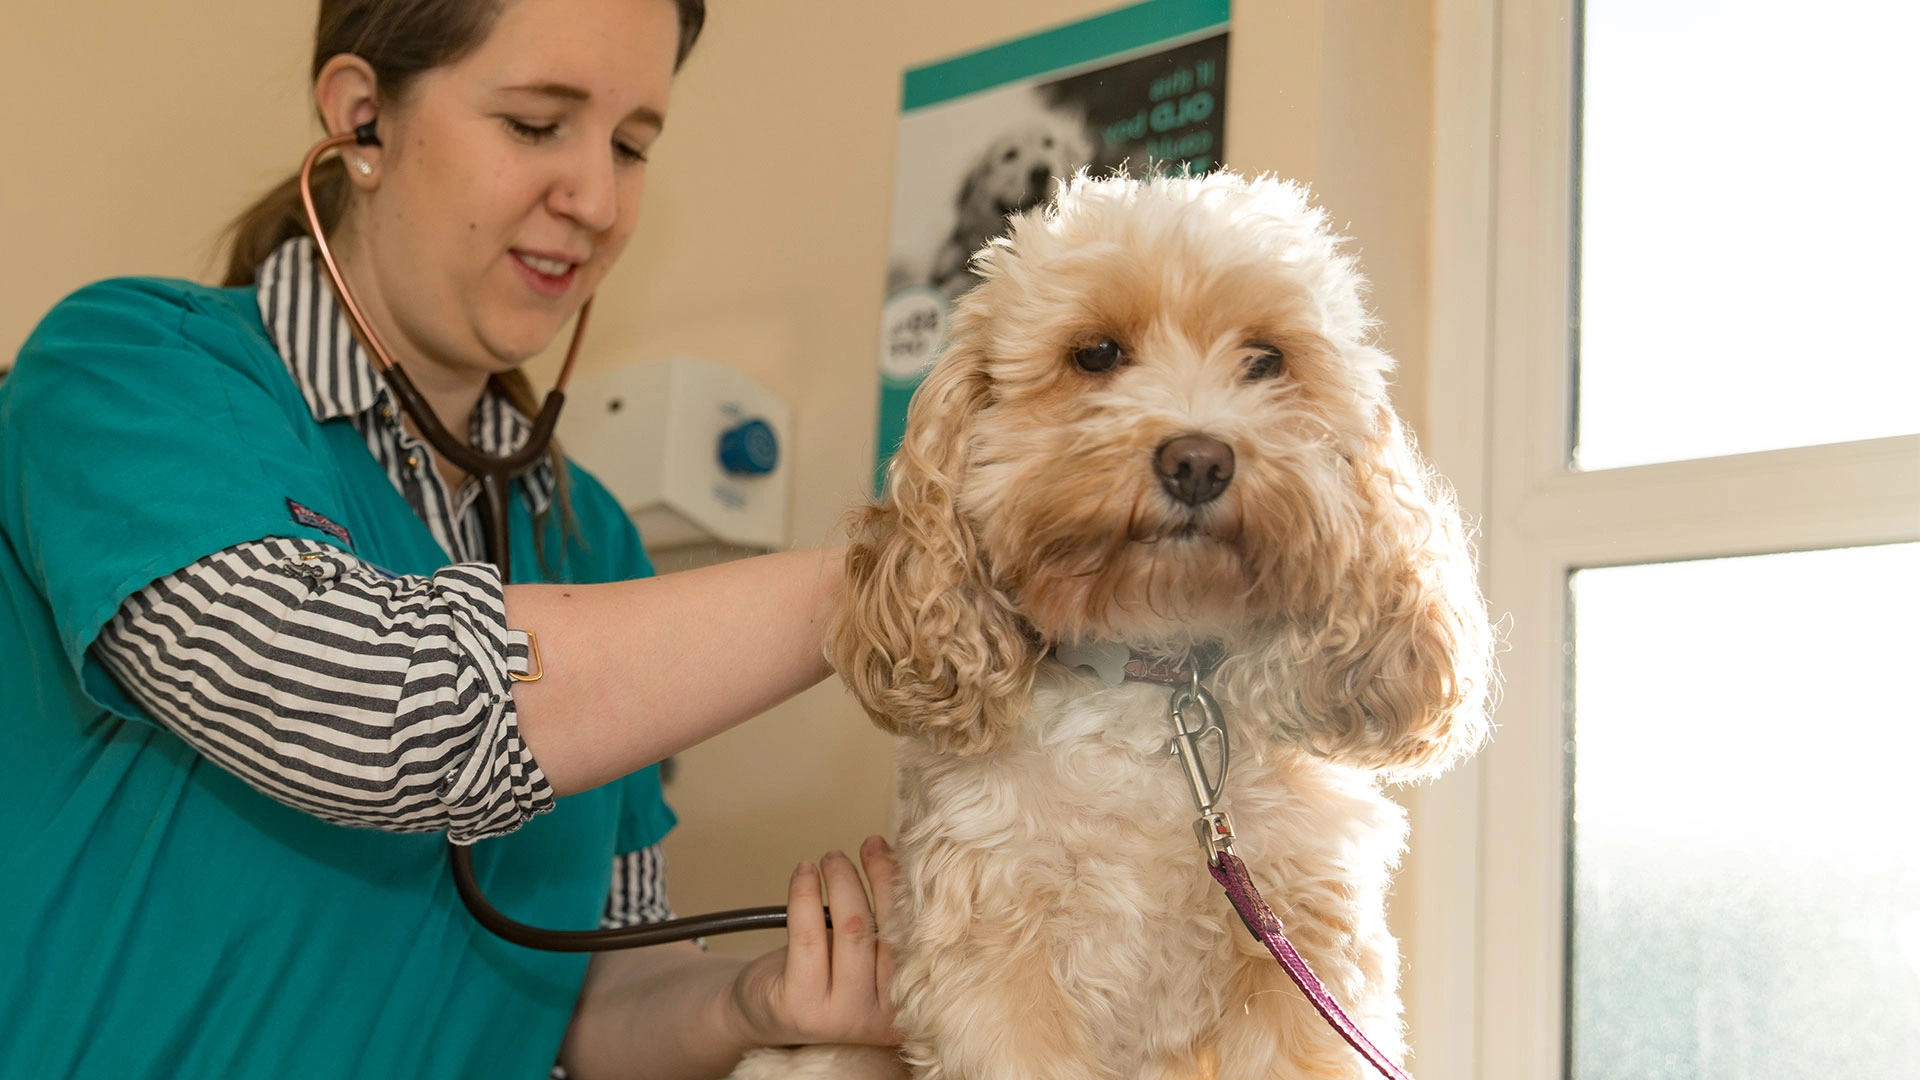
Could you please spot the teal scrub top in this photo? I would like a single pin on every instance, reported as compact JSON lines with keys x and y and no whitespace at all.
{"x":158,"y":917}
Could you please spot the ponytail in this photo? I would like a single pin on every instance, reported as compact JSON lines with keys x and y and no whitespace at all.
{"x":278,"y":217}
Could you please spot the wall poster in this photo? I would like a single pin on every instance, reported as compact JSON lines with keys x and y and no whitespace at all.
{"x":985,"y":135}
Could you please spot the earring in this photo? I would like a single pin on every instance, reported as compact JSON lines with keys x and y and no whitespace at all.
{"x":364,"y":168}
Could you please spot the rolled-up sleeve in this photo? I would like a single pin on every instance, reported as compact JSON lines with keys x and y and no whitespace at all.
{"x":361,"y":697}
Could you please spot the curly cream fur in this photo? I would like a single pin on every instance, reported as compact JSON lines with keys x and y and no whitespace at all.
{"x":1056,"y":918}
{"x":925,"y":640}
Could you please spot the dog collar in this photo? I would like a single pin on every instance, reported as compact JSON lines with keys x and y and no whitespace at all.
{"x":1114,"y":663}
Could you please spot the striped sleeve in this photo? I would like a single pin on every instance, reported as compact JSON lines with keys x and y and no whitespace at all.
{"x":639,"y":892}
{"x":336,"y":688}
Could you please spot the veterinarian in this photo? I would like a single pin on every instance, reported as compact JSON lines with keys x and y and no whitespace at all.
{"x":260,"y":666}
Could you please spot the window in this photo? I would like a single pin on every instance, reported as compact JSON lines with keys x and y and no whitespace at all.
{"x":1745,"y":873}
{"x":1745,"y":208}
{"x":1671,"y":376}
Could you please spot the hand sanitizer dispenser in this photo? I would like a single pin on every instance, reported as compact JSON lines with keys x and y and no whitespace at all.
{"x":696,"y":451}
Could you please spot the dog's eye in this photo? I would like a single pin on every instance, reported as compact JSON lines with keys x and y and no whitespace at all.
{"x":1102,"y":355}
{"x":1265,"y":362}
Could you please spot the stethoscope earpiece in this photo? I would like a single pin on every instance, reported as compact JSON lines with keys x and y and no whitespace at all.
{"x":364,"y":134}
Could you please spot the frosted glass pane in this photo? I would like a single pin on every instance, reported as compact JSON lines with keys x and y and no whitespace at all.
{"x":1746,"y":818}
{"x":1747,"y":275}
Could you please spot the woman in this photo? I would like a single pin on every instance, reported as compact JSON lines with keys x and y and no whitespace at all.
{"x":246,"y":605}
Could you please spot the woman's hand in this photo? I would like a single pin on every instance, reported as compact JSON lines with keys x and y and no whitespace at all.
{"x":826,"y":986}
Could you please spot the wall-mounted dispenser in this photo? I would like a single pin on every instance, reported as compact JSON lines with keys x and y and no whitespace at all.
{"x":696,"y":451}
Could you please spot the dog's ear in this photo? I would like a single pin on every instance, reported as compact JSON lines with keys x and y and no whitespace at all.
{"x":924,"y":639}
{"x":1391,"y":667}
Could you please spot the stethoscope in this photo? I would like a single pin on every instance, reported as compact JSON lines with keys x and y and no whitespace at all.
{"x":496,"y":476}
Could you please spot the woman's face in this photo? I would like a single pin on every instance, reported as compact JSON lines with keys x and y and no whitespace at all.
{"x":509,"y":181}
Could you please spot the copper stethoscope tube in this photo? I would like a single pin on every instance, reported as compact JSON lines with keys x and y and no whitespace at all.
{"x":496,"y":475}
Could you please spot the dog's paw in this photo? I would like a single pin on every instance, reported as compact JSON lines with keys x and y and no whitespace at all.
{"x":822,"y":1063}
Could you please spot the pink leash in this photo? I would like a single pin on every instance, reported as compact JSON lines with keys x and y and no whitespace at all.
{"x":1196,"y":717}
{"x":1264,"y":925}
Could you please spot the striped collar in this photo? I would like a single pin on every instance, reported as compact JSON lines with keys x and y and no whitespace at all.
{"x":336,"y":377}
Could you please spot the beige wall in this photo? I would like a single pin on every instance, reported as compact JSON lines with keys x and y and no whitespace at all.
{"x":140,"y":128}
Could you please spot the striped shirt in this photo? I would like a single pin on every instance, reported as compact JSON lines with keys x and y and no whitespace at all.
{"x":332,"y":686}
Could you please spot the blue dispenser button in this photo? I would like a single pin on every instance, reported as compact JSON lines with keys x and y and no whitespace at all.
{"x":749,"y":448}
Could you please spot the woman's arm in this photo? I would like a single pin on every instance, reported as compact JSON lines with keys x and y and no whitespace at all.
{"x":353,"y":695}
{"x":635,"y":671}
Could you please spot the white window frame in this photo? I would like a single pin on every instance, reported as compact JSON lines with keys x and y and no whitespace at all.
{"x":1485,"y":901}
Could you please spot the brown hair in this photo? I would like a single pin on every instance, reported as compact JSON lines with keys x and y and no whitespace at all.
{"x":401,"y":40}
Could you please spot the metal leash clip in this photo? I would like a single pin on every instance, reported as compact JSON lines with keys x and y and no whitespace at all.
{"x":1213,"y":827}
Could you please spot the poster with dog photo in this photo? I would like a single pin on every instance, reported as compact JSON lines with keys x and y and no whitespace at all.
{"x":989,"y":134}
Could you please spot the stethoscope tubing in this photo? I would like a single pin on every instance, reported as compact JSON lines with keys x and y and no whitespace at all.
{"x":495,"y":474}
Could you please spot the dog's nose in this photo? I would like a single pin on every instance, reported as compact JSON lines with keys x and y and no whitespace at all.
{"x":1194,"y":468}
{"x":1038,"y":179}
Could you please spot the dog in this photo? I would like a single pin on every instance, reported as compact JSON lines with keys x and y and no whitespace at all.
{"x":1015,"y":173}
{"x":1161,"y":427}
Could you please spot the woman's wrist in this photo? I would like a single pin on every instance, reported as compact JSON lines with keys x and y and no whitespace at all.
{"x":729,"y":1015}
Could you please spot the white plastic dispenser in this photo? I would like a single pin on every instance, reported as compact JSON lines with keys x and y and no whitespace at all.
{"x":695,"y":451}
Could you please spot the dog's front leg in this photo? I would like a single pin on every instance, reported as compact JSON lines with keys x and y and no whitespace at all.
{"x":977,"y":974}
{"x":995,"y":1012}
